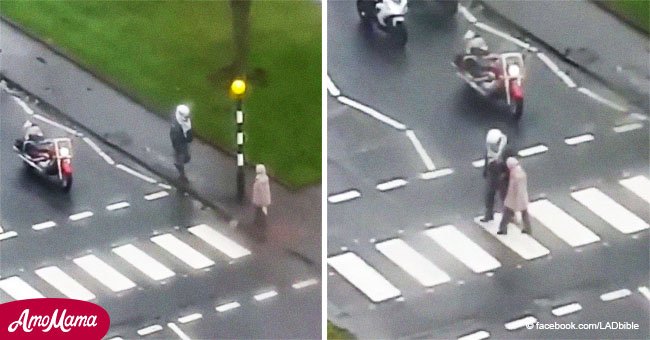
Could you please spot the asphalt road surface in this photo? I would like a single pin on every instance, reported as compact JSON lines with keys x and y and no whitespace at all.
{"x":406,"y":257}
{"x":130,"y":259}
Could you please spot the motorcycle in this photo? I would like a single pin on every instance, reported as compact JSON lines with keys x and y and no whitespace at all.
{"x":53,"y":160}
{"x":504,"y":78}
{"x":388,"y":15}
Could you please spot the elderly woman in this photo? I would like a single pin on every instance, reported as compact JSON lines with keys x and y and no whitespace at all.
{"x":516,"y":197}
{"x":261,"y":195}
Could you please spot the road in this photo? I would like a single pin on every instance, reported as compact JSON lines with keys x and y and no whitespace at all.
{"x":220,"y":284}
{"x":407,"y":259}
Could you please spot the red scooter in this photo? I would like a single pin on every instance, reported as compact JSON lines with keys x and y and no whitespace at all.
{"x":50,"y":158}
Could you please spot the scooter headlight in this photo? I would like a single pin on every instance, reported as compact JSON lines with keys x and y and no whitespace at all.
{"x":64,"y":152}
{"x":514,"y":70}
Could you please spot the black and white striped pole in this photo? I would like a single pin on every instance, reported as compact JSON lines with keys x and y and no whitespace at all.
{"x":238,"y":89}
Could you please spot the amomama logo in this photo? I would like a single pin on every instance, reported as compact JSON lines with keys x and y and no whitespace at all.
{"x":53,"y":319}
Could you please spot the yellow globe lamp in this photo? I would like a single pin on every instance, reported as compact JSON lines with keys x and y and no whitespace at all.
{"x":238,"y":87}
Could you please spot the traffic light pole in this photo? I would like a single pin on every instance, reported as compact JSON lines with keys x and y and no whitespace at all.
{"x":241,"y":179}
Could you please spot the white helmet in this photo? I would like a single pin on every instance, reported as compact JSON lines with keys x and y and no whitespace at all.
{"x":469,"y":35}
{"x":493,"y":136}
{"x":183,"y":111}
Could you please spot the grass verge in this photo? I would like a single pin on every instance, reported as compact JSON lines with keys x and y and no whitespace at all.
{"x":337,"y":333}
{"x":635,"y":12}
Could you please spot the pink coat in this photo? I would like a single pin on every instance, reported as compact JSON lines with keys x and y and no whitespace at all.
{"x":517,"y":195}
{"x":261,"y":191}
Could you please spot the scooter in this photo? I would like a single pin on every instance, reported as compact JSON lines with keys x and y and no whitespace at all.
{"x":388,"y":15}
{"x":504,"y":80}
{"x":50,"y":158}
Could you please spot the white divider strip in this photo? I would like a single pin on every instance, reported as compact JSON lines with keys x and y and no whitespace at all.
{"x":412,"y":262}
{"x":463,"y":249}
{"x":149,"y":330}
{"x":587,"y":137}
{"x":639,"y":185}
{"x":479,"y":335}
{"x":156,"y":195}
{"x":363,"y":277}
{"x":561,"y":224}
{"x":546,"y":60}
{"x":344,"y":196}
{"x":117,"y":206}
{"x":566,"y":79}
{"x":502,"y":35}
{"x":58,"y":125}
{"x":645,"y":292}
{"x":44,"y":225}
{"x":104,"y":273}
{"x":437,"y":173}
{"x":190,"y":318}
{"x":266,"y":295}
{"x":567,"y":309}
{"x":615,"y":295}
{"x":7,"y":235}
{"x":81,"y":215}
{"x":182,"y":251}
{"x":522,"y":244}
{"x":19,"y":289}
{"x":219,"y":241}
{"x":25,"y":107}
{"x":143,"y":262}
{"x":178,"y":331}
{"x":227,"y":306}
{"x":393,"y":184}
{"x":627,"y":127}
{"x":333,"y":90}
{"x":467,"y":14}
{"x":610,"y":211}
{"x":533,"y":150}
{"x":519,"y":323}
{"x":601,"y":99}
{"x":418,"y":147}
{"x":65,"y":284}
{"x":165,"y":186}
{"x":99,"y":151}
{"x":479,"y":163}
{"x":135,"y":173}
{"x":372,"y":113}
{"x":305,"y":283}
{"x":116,"y":338}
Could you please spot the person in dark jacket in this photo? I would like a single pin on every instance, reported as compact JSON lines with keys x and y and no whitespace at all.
{"x":181,"y":136}
{"x":495,"y":170}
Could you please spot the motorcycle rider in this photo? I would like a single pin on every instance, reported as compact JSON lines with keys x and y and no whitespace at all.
{"x":479,"y":60}
{"x":32,"y":140}
{"x":475,"y":44}
{"x":494,"y":169}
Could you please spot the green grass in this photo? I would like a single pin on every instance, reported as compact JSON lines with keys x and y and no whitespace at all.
{"x":337,"y":333}
{"x":165,"y":53}
{"x":637,"y":12}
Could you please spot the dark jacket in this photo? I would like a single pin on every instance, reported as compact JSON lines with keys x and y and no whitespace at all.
{"x":179,"y":139}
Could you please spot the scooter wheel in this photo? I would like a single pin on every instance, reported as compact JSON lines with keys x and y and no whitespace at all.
{"x":66,"y":184}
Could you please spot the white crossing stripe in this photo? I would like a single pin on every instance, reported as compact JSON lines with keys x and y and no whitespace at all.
{"x":344,"y":196}
{"x":145,"y":263}
{"x":266,"y":295}
{"x":156,"y":195}
{"x":149,"y":330}
{"x":561,"y":224}
{"x":305,"y":283}
{"x":227,"y":306}
{"x":519,"y":323}
{"x":412,"y":262}
{"x":645,"y":291}
{"x":7,"y":235}
{"x":68,"y":286}
{"x":462,"y":248}
{"x":363,"y":277}
{"x":19,"y":289}
{"x":393,"y":184}
{"x":182,"y":251}
{"x":567,"y":309}
{"x":219,"y":241}
{"x":640,"y":185}
{"x":587,"y":137}
{"x":117,"y":206}
{"x":81,"y":215}
{"x":522,"y":244}
{"x":190,"y":318}
{"x":627,"y":127}
{"x":617,"y":294}
{"x":104,"y":273}
{"x":178,"y":331}
{"x":610,"y":211}
{"x":533,"y":150}
{"x":44,"y":225}
{"x":437,"y":173}
{"x":479,"y":335}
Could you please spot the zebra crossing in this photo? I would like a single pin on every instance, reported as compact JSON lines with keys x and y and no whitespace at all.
{"x":109,"y":276}
{"x":570,"y":230}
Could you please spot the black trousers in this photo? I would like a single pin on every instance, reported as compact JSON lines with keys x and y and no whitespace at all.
{"x":509,"y":214}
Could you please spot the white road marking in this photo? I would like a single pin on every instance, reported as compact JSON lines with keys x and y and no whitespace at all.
{"x":645,"y":292}
{"x":639,"y":185}
{"x":344,"y":196}
{"x":7,"y":235}
{"x":178,"y":331}
{"x":479,"y":335}
{"x":58,"y":125}
{"x":165,"y":186}
{"x":615,"y":295}
{"x":627,"y":127}
{"x":555,"y":69}
{"x":19,"y":289}
{"x":104,"y":273}
{"x":467,"y":14}
{"x":156,"y":195}
{"x":601,"y":99}
{"x":522,"y":244}
{"x":99,"y":151}
{"x":533,"y":150}
{"x":437,"y":173}
{"x":479,"y":163}
{"x":519,"y":323}
{"x":81,"y":215}
{"x":266,"y":295}
{"x":567,"y":309}
{"x":463,"y":249}
{"x":566,"y":79}
{"x":227,"y":306}
{"x":44,"y":225}
{"x":149,"y":330}
{"x":135,"y":173}
{"x":190,"y":318}
{"x":412,"y":262}
{"x":561,"y":224}
{"x":502,"y":35}
{"x":24,"y":106}
{"x":393,"y":184}
{"x":116,"y":338}
{"x":304,"y":283}
{"x":363,"y":277}
{"x":333,"y":90}
{"x":418,"y":147}
{"x":587,"y":137}
{"x":117,"y":206}
{"x":219,"y":241}
{"x":610,"y":211}
{"x":65,"y":284}
{"x":182,"y":251}
{"x":143,"y":262}
{"x":372,"y":112}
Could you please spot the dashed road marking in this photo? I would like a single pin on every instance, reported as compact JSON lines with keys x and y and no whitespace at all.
{"x":104,"y":273}
{"x":463,"y":249}
{"x":627,"y":127}
{"x":372,"y":112}
{"x":19,"y":289}
{"x":333,"y":90}
{"x":136,"y":174}
{"x":567,"y":309}
{"x":304,"y":283}
{"x":437,"y":173}
{"x":149,"y":330}
{"x":219,"y":241}
{"x":412,"y":262}
{"x":478,"y":335}
{"x":182,"y":251}
{"x":609,"y":210}
{"x":533,"y":150}
{"x":143,"y":262}
{"x":99,"y":151}
{"x":587,"y":137}
{"x":364,"y":277}
{"x":344,"y":196}
{"x":117,"y":206}
{"x":165,"y":186}
{"x":7,"y":235}
{"x":519,"y":323}
{"x":178,"y":331}
{"x":392,"y":184}
{"x":227,"y":306}
{"x":65,"y":284}
{"x":190,"y":318}
{"x":602,"y":100}
{"x":428,"y":163}
{"x":645,"y":292}
{"x":561,"y":224}
{"x":44,"y":225}
{"x":266,"y":295}
{"x":156,"y":195}
{"x":615,"y":295}
{"x":555,"y":69}
{"x":81,"y":216}
{"x":479,"y":163}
